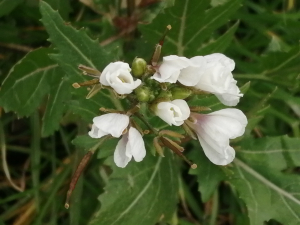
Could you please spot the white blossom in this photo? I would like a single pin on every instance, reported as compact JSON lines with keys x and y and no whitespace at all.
{"x":184,"y":70}
{"x":214,"y":131}
{"x":174,"y":112}
{"x":218,"y":79}
{"x":117,"y":75}
{"x":130,"y":145}
{"x":111,"y":123}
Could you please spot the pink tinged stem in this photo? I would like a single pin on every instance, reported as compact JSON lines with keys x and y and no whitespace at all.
{"x":83,"y":163}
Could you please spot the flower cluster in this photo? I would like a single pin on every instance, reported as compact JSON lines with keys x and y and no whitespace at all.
{"x":163,"y":88}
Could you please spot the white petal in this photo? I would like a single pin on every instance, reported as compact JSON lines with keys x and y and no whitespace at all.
{"x":165,"y":113}
{"x":96,"y":132}
{"x":184,"y":108}
{"x":173,"y":113}
{"x":190,"y":75}
{"x":118,"y":76}
{"x":233,"y":121}
{"x":218,"y":156}
{"x":170,"y":68}
{"x":214,"y":131}
{"x":135,"y":145}
{"x":112,"y":123}
{"x":120,"y":157}
{"x":219,"y":81}
{"x":220,"y":58}
{"x":126,"y":88}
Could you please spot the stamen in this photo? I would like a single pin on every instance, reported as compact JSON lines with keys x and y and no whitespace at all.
{"x":156,"y":54}
{"x":88,"y":71}
{"x":76,"y":85}
{"x":95,"y":89}
{"x":168,"y":28}
{"x":158,"y":147}
{"x":171,"y":133}
{"x":176,"y":151}
{"x":199,"y":108}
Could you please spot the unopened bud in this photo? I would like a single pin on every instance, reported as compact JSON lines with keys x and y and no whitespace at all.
{"x":143,"y":94}
{"x":139,"y":66}
{"x":180,"y":92}
{"x":165,"y":95}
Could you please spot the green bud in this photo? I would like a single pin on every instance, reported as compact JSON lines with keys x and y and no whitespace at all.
{"x":138,"y":67}
{"x":165,"y":95}
{"x":180,"y":92}
{"x":143,"y":94}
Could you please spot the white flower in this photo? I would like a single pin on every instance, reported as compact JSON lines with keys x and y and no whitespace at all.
{"x":214,"y":131}
{"x":111,"y":123}
{"x":186,"y":71}
{"x":117,"y":75}
{"x":218,"y":79}
{"x":130,"y":145}
{"x":174,"y":112}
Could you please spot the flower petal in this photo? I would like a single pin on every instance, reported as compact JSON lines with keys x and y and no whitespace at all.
{"x":135,"y":145}
{"x":217,"y":156}
{"x":112,"y":123}
{"x":173,"y":113}
{"x":120,"y":157}
{"x":214,"y":131}
{"x":117,"y":75}
{"x":96,"y":132}
{"x":169,"y":70}
{"x":221,"y":58}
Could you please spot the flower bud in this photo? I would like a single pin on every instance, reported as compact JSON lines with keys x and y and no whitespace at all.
{"x":180,"y":92}
{"x":143,"y":94}
{"x":138,"y":67}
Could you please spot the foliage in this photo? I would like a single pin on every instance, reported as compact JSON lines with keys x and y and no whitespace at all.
{"x":44,"y":120}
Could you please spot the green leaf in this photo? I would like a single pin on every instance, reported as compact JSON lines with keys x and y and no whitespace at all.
{"x":220,"y":44}
{"x":208,"y":174}
{"x":6,"y":6}
{"x":28,"y":81}
{"x":192,"y":24}
{"x":75,"y":46}
{"x":56,"y":106}
{"x":141,"y":193}
{"x":276,"y":63}
{"x":259,"y":178}
{"x":63,"y":7}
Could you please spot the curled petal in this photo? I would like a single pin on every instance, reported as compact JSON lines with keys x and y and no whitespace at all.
{"x":117,"y":75}
{"x":173,"y":113}
{"x":111,"y":123}
{"x":218,"y":80}
{"x":220,"y":58}
{"x":96,"y":132}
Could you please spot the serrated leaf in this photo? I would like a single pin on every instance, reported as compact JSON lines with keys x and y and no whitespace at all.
{"x":75,"y":46}
{"x":268,"y":192}
{"x":208,"y":174}
{"x":6,"y":6}
{"x":141,"y":193}
{"x":63,"y":7}
{"x":191,"y":24}
{"x":28,"y":82}
{"x":56,"y":106}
